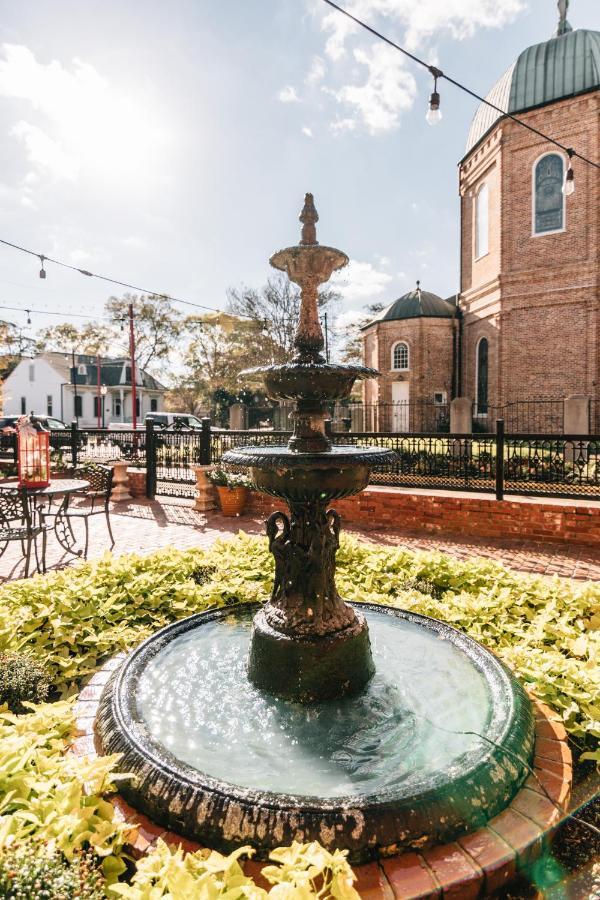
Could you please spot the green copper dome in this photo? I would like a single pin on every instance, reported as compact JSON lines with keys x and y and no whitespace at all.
{"x":564,"y":66}
{"x":417,"y":304}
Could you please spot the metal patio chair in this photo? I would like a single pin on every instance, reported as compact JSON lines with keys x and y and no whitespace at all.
{"x":21,"y":521}
{"x":100,"y":478}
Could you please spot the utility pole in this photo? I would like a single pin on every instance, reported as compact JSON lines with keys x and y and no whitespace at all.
{"x":132,"y":355}
{"x":326,"y":337}
{"x":98,"y":400}
{"x":74,"y":377}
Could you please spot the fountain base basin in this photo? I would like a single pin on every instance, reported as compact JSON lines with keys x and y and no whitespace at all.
{"x":398,"y":765}
{"x":310,"y":669}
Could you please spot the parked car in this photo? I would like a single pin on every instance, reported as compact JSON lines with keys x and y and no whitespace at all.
{"x":168,"y":420}
{"x":48,"y":422}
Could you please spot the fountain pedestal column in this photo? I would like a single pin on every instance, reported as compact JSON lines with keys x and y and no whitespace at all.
{"x":307,"y":643}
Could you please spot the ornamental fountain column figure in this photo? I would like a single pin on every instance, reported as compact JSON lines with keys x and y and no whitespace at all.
{"x":307,"y":643}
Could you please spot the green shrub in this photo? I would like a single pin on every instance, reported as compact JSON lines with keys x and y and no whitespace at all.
{"x":22,"y":679}
{"x":47,"y":794}
{"x":34,"y":870}
{"x":303,"y":871}
{"x":546,"y":630}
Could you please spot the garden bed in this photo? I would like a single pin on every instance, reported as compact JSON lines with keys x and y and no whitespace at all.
{"x":72,"y":621}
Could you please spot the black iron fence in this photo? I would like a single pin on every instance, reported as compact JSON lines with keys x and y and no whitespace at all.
{"x":499,"y":462}
{"x":522,"y":417}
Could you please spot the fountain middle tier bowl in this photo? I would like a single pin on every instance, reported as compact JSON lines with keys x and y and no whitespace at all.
{"x":331,"y":475}
{"x":310,"y":380}
{"x":400,"y":765}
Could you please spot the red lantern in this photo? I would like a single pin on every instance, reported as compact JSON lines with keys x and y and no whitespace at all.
{"x":33,"y":450}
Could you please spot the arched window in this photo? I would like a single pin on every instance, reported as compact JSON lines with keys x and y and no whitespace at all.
{"x":481,"y":221}
{"x":400,"y":356}
{"x":548,"y":198}
{"x":482,"y":377}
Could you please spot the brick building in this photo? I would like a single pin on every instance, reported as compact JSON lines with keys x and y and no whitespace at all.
{"x":528,"y":319}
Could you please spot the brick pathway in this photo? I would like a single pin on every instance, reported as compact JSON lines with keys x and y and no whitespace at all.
{"x":141,"y":526}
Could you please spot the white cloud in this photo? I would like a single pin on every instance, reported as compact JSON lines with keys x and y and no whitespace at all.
{"x":72,"y":119}
{"x":44,"y":152}
{"x":288,"y":94}
{"x":316,"y":73}
{"x":307,"y":132}
{"x":421,"y":20}
{"x":389,"y":89}
{"x":360,"y":281}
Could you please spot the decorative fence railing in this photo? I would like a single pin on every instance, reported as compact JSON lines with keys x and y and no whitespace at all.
{"x":522,"y":417}
{"x":547,"y":465}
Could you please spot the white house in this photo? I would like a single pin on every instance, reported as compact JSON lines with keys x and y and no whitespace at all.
{"x":65,"y":386}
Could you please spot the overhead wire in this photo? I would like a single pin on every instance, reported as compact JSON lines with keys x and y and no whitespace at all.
{"x":438,"y":73}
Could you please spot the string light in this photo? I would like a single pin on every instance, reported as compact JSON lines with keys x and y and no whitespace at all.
{"x":568,"y":187}
{"x":42,"y":270}
{"x":434,"y":113}
{"x":459,"y":85}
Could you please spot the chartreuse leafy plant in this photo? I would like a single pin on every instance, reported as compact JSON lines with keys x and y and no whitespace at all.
{"x":546,"y":630}
{"x":305,"y":871}
{"x":52,"y":796}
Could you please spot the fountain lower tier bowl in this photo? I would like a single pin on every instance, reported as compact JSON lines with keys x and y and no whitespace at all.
{"x":400,"y":765}
{"x":311,"y":381}
{"x":299,"y":477}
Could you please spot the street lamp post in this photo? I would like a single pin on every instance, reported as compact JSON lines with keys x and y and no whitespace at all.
{"x":103,"y":392}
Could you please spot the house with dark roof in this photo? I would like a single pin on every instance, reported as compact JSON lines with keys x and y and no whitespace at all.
{"x":73,"y":386}
{"x":526,"y":323}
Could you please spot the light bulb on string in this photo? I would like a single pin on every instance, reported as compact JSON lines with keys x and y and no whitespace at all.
{"x":568,"y":187}
{"x":42,"y":270}
{"x":434,"y":113}
{"x":28,"y":317}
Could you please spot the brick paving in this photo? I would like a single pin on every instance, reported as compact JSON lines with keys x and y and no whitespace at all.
{"x":141,"y":526}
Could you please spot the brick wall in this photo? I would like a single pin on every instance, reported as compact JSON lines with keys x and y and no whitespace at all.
{"x":430,"y":345}
{"x":538,"y":295}
{"x":466,"y":515}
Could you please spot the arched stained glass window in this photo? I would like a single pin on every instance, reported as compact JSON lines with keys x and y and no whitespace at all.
{"x":482,"y":376}
{"x":548,"y":198}
{"x":481,"y":221}
{"x":400,"y":356}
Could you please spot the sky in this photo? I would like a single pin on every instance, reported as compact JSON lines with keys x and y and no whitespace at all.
{"x":169,"y":145}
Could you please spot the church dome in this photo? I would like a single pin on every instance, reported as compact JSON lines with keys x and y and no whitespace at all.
{"x":417,"y":304}
{"x":566,"y":65}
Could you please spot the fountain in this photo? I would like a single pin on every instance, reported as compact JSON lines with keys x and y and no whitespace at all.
{"x":312,"y":718}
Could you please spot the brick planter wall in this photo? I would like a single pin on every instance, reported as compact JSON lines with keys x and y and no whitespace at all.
{"x":468,"y":515}
{"x":137,"y":482}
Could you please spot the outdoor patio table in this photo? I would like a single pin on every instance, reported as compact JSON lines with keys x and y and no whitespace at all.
{"x":61,"y":489}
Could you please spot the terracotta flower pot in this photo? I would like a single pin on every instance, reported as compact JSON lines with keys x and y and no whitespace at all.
{"x":232,"y":499}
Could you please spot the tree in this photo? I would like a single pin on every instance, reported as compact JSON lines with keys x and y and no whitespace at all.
{"x":276,"y":306}
{"x":14,"y":344}
{"x":351,"y":346}
{"x":91,"y":338}
{"x":158,"y":325}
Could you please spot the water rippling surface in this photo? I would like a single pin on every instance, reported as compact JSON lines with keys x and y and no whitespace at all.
{"x":196,"y":700}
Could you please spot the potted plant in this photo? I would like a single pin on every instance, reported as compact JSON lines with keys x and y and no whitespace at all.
{"x":232,"y":489}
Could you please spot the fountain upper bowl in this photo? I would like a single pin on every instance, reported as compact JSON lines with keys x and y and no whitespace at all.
{"x":299,"y":380}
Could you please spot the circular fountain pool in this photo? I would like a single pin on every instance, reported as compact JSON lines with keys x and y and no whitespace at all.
{"x":401,"y":764}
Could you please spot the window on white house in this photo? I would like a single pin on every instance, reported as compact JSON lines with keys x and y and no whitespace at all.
{"x":32,"y":373}
{"x":49,"y":404}
{"x":153,"y":404}
{"x":23,"y":406}
{"x":548,"y":198}
{"x":400,"y":356}
{"x":482,"y":221}
{"x":78,"y":406}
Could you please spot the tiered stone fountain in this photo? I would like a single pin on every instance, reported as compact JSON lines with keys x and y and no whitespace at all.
{"x":363,"y":727}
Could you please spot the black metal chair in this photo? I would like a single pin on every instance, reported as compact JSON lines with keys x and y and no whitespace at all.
{"x":100,"y":478}
{"x":21,"y":521}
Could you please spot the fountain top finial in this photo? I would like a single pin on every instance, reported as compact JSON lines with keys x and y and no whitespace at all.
{"x":309,"y":218}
